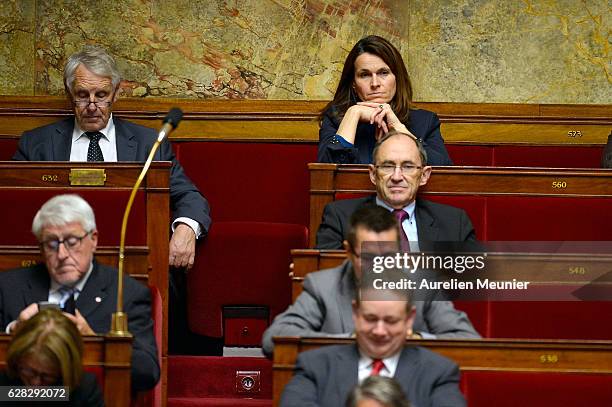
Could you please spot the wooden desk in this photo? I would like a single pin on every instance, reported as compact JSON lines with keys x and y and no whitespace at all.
{"x":25,"y":186}
{"x":483,"y":355}
{"x":111,"y":354}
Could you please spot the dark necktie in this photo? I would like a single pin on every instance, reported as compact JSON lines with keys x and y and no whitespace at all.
{"x":401,"y":216}
{"x":68,"y":301}
{"x":94,"y":152}
{"x":377,"y":366}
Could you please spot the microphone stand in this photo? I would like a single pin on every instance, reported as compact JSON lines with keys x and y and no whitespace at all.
{"x":119,"y":323}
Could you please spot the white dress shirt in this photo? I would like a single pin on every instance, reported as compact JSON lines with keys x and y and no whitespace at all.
{"x":365,"y":366}
{"x":108,"y":145}
{"x":409,"y":224}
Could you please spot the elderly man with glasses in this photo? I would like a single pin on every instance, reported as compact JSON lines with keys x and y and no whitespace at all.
{"x":85,"y":290}
{"x":399,"y":170}
{"x":91,"y":81}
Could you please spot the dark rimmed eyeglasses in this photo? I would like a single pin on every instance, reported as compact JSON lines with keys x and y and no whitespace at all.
{"x":98,"y":103}
{"x":70,"y":243}
{"x":406,"y":169}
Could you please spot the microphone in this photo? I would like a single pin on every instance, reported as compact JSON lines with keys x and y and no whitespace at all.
{"x":172,"y":120}
{"x":119,"y":322}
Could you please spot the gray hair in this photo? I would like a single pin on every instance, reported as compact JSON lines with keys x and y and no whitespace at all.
{"x":392,"y":133}
{"x":61,"y":210}
{"x":95,"y":59}
{"x":385,"y":390}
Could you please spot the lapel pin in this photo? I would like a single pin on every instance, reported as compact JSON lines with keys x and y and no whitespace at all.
{"x":98,"y":299}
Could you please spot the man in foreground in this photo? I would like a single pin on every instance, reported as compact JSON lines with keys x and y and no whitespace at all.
{"x":325,"y":376}
{"x":85,"y":290}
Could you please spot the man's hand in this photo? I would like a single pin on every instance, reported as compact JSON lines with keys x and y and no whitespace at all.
{"x":81,"y":323}
{"x":27,"y":313}
{"x":182,"y":246}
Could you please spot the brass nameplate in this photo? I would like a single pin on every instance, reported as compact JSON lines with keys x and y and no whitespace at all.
{"x":87,"y":176}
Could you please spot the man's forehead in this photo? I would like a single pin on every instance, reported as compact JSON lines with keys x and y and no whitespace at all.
{"x":62,"y":229}
{"x":382,"y":305}
{"x":398,"y":148}
{"x":366,"y":235}
{"x":84,"y":78}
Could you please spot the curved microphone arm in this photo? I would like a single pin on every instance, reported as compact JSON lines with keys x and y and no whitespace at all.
{"x":119,"y":324}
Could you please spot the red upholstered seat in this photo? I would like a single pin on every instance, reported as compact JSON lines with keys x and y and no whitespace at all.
{"x":551,"y":320}
{"x":272,"y":178}
{"x":478,"y":312}
{"x":107,"y":205}
{"x":470,"y":154}
{"x":571,"y":156}
{"x":548,"y":218}
{"x":241,"y":263}
{"x":531,"y":389}
{"x":7,"y":149}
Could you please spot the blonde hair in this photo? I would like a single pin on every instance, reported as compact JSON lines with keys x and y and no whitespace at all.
{"x":50,"y":335}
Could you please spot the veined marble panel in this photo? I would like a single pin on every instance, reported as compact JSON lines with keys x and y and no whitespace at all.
{"x":279,"y":49}
{"x":541,"y":51}
{"x":17,"y":47}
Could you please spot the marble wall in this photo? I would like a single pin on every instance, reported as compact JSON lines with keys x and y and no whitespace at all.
{"x":530,"y":51}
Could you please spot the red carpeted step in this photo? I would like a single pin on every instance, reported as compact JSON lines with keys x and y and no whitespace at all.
{"x":215,"y":378}
{"x":217,"y":402}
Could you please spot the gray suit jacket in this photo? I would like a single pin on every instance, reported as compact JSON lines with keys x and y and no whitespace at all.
{"x":435,"y":222}
{"x":324,"y":377}
{"x":324,"y":309}
{"x":134,"y":142}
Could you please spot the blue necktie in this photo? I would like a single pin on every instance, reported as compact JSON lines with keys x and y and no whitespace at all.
{"x":67,"y":302}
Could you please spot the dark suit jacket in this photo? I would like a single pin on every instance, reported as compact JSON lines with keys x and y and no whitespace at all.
{"x":435,"y":222}
{"x":606,"y":157}
{"x":423,"y":124}
{"x":325,"y":376}
{"x":87,"y":394}
{"x":22,"y":287}
{"x":134,"y":142}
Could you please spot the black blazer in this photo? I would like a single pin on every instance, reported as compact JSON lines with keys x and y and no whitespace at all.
{"x":98,"y":300}
{"x":325,"y":376}
{"x":423,"y":124}
{"x":87,"y":394}
{"x":435,"y":222}
{"x":134,"y":142}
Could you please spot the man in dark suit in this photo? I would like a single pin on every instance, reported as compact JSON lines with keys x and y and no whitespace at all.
{"x":91,"y":80}
{"x":325,"y":376}
{"x":65,"y":226}
{"x":324,"y":306}
{"x":399,"y":169}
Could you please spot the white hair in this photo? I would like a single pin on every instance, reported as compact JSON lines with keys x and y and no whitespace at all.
{"x":61,"y":210}
{"x":95,"y":59}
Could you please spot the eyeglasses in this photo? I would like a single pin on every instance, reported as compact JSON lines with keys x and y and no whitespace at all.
{"x":86,"y":102}
{"x":31,"y":374}
{"x":406,"y":169}
{"x":70,"y":243}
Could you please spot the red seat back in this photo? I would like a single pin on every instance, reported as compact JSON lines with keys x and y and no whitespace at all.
{"x":241,"y":263}
{"x":531,"y":389}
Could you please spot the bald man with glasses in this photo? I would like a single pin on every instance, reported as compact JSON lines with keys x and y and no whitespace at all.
{"x":399,"y":170}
